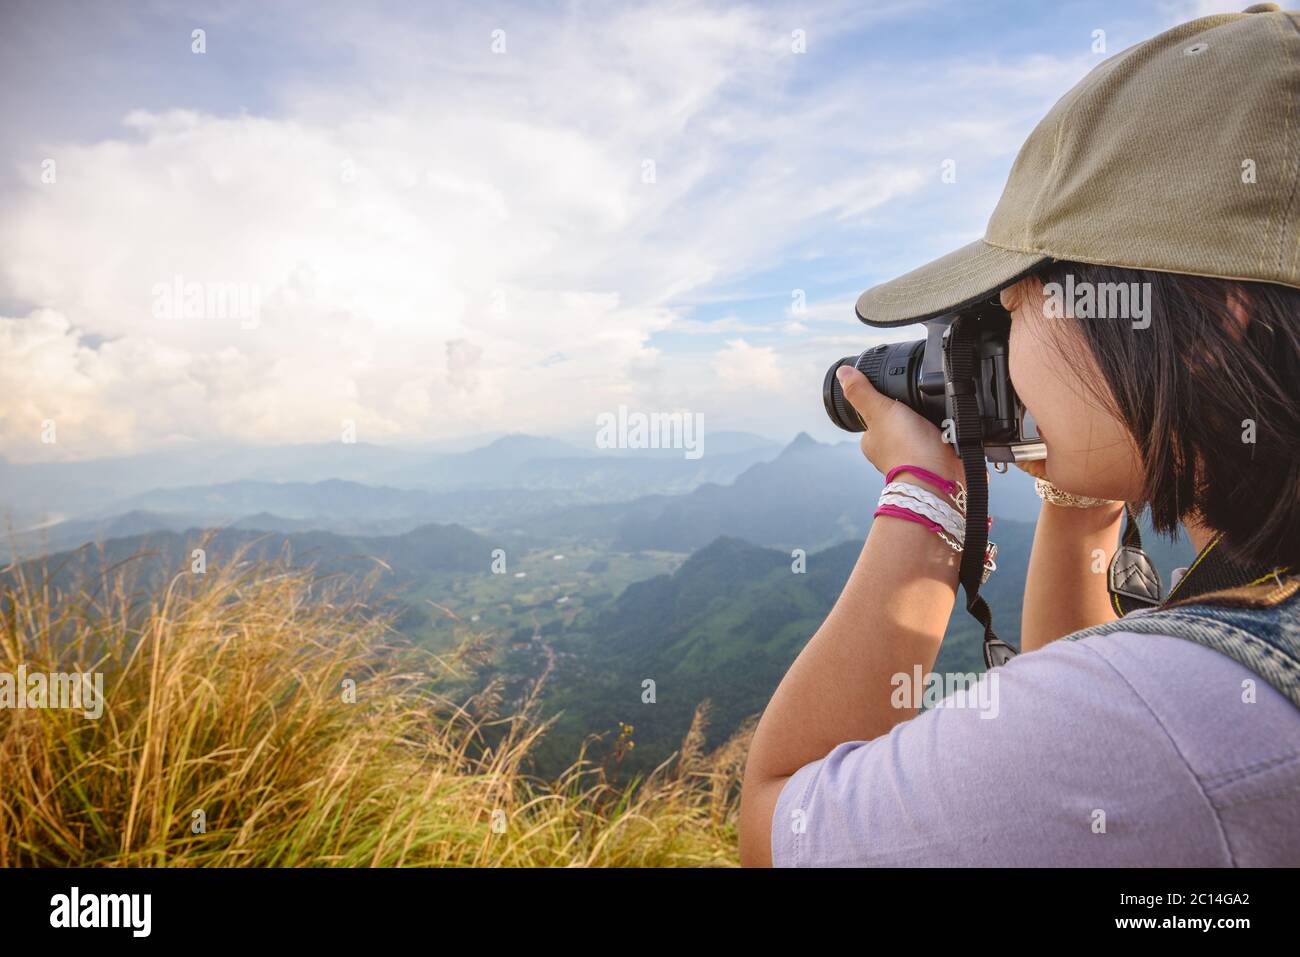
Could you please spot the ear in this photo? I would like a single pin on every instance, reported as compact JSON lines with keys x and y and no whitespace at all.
{"x":1019,"y":293}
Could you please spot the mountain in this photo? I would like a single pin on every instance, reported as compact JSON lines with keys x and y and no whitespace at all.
{"x":206,"y":481}
{"x":811,"y":495}
{"x":266,"y":522}
{"x":70,"y":534}
{"x":156,"y":556}
{"x":333,"y":505}
{"x":506,"y":453}
{"x":292,"y":500}
{"x":75,"y":488}
{"x":713,"y":444}
{"x":727,"y":624}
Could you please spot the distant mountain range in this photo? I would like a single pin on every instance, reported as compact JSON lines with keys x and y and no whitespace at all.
{"x":810,"y":495}
{"x":44,"y":493}
{"x":724,"y":626}
{"x":156,"y":556}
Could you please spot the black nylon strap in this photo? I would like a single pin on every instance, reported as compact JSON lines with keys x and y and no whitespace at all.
{"x":1213,"y":569}
{"x":1132,"y":579}
{"x":959,"y":371}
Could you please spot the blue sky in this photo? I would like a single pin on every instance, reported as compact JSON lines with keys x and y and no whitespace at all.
{"x":447,"y":238}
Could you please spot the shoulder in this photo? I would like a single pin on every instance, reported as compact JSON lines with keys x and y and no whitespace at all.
{"x":1120,"y":749}
{"x":1238,"y":735}
{"x":1200,"y":697}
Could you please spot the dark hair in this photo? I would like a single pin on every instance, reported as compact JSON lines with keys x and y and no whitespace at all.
{"x":1193,"y":388}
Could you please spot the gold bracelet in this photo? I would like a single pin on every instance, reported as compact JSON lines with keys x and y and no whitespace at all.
{"x":1052,"y":495}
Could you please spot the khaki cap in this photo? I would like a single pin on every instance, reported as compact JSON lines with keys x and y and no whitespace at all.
{"x":1180,"y":154}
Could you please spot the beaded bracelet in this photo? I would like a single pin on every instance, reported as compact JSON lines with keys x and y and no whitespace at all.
{"x":1052,"y":495}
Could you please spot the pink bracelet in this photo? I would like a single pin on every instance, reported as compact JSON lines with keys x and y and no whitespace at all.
{"x":899,"y":512}
{"x":906,"y":513}
{"x":926,"y":475}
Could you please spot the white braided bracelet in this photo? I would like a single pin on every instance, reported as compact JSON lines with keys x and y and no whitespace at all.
{"x":906,"y":495}
{"x":951,"y":522}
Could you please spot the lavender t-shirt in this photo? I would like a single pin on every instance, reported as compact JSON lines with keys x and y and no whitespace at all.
{"x":1120,"y":749}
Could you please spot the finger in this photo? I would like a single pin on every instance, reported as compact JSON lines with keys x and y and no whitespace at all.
{"x":1035,"y":467}
{"x":862,"y":395}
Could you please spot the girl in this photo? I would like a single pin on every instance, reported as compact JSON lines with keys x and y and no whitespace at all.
{"x":1168,"y":736}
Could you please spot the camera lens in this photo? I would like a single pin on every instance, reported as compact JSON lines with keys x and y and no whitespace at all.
{"x":893,"y":368}
{"x":837,"y":406}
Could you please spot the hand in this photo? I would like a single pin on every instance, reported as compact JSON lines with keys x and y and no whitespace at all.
{"x":895,"y":434}
{"x":1035,"y":467}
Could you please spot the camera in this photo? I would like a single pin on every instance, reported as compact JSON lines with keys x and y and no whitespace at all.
{"x":915,"y":372}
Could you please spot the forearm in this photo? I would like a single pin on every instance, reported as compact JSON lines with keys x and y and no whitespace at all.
{"x":1065,"y":589}
{"x":889,"y":619}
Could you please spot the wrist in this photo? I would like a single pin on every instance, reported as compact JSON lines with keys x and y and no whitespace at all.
{"x":913,"y":550}
{"x":937,"y":504}
{"x":1099,"y":518}
{"x":950,"y":469}
{"x":1049,"y":493}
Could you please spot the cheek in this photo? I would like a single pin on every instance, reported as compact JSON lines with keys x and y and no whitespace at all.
{"x":1089,"y":452}
{"x":1099,"y":458}
{"x":1026,"y":370}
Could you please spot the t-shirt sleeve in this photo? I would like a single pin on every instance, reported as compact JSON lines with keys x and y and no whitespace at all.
{"x":1051,"y":759}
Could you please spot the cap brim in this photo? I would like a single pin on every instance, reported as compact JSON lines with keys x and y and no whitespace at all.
{"x":962,"y":278}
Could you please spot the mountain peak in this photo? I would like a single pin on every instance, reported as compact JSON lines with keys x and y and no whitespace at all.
{"x":730,"y":552}
{"x":515,"y":438}
{"x":803,"y":442}
{"x":519,"y":443}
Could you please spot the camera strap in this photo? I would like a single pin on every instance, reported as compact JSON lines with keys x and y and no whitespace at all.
{"x":1134,"y":583}
{"x":1132,"y":578}
{"x":959,"y":372}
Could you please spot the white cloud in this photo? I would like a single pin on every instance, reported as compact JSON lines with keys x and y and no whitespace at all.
{"x":445,"y":241}
{"x":749,"y":368}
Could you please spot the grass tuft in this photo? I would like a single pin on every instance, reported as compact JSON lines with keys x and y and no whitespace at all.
{"x":227,"y":694}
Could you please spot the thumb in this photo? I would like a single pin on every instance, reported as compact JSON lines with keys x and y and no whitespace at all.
{"x":862,"y":395}
{"x":1035,"y":467}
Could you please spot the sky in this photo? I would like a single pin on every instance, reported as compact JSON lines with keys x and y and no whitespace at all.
{"x":445,"y":220}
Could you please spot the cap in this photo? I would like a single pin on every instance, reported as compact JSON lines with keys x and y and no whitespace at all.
{"x":1180,"y":154}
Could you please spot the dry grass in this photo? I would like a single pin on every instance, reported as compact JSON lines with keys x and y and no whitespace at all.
{"x":226,"y":694}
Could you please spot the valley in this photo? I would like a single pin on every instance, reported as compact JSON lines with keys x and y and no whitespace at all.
{"x":624,"y":598}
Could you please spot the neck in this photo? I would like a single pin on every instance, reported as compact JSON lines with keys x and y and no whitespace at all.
{"x":1198,"y":534}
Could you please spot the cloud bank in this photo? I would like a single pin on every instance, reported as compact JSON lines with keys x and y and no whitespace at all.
{"x":513,"y":219}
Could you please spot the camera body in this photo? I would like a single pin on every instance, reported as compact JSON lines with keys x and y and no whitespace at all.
{"x":915,"y":373}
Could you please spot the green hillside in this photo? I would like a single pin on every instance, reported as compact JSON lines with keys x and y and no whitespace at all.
{"x":724,"y":627}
